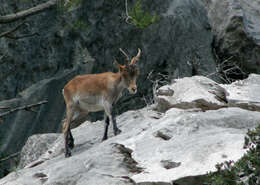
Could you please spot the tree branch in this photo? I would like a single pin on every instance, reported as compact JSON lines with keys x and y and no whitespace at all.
{"x":29,"y":12}
{"x":126,"y":12}
{"x":26,"y":107}
{"x":22,"y":36}
{"x":10,"y":156}
{"x":12,"y":30}
{"x":4,"y":107}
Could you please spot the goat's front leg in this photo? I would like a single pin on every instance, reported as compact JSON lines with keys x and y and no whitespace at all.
{"x":111,"y":116}
{"x":115,"y":128}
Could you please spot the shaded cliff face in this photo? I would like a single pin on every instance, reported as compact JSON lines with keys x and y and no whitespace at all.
{"x":180,"y":37}
{"x":177,"y":45}
{"x":236,"y":26}
{"x":29,"y":60}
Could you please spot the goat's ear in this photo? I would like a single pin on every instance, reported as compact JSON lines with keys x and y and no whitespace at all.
{"x":118,"y":66}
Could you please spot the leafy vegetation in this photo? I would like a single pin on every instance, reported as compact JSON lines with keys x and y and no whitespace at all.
{"x":80,"y":25}
{"x":63,"y":7}
{"x":140,"y":18}
{"x":246,"y":171}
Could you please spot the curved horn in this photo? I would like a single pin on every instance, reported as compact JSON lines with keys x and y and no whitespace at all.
{"x":126,"y":56}
{"x":137,"y":57}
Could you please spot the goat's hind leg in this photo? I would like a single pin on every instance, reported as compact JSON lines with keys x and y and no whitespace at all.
{"x":106,"y":119}
{"x":78,"y":118}
{"x":68,"y":138}
{"x":71,"y":140}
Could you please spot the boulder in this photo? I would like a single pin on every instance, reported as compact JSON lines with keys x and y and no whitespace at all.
{"x":35,"y":146}
{"x":194,"y":92}
{"x":236,"y":26}
{"x":201,"y":93}
{"x":244,"y":93}
{"x":198,"y":141}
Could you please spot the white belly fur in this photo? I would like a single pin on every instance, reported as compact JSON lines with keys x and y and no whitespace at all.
{"x":90,"y":103}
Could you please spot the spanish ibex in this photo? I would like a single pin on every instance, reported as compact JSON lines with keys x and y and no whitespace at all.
{"x":96,"y":92}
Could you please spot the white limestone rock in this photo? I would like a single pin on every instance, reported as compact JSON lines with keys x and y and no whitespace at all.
{"x":244,"y":93}
{"x":191,"y":92}
{"x":197,"y":142}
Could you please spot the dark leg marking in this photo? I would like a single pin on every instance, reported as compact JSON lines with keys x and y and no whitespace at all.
{"x":115,"y":128}
{"x":67,"y":149}
{"x":71,"y":140}
{"x":106,"y":118}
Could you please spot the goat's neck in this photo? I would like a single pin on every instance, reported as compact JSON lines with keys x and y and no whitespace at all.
{"x":119,"y":86}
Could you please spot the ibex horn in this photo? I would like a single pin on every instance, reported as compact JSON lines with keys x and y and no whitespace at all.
{"x":136,"y":58}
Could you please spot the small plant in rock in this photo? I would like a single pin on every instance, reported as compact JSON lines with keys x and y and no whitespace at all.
{"x":65,"y":5}
{"x":141,"y":18}
{"x":246,"y":171}
{"x":80,"y":25}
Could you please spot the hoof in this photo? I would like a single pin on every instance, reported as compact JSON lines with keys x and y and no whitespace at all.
{"x":117,"y":131}
{"x":67,"y":154}
{"x":104,"y":138}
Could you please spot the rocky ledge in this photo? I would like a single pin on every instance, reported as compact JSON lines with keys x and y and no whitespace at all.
{"x":173,"y":145}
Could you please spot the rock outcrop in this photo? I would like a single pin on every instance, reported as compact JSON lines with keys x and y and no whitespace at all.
{"x":244,"y":93}
{"x":236,"y":26}
{"x":187,"y":93}
{"x":202,"y":93}
{"x":177,"y":146}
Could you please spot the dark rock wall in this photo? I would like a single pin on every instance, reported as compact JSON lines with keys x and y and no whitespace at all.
{"x":236,"y":27}
{"x":18,"y":126}
{"x":181,"y":37}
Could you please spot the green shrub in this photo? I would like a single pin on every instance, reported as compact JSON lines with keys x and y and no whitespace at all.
{"x":62,"y":8}
{"x":246,"y":171}
{"x":80,"y":25}
{"x":140,"y":18}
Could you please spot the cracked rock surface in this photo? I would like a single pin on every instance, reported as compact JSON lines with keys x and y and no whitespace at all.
{"x":177,"y":146}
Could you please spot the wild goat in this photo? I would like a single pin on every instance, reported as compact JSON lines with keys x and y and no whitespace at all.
{"x":96,"y":92}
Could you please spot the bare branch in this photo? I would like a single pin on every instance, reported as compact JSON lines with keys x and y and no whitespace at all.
{"x":12,"y":30}
{"x":126,"y":12}
{"x":26,"y":107}
{"x":9,"y":157}
{"x":4,"y":107}
{"x":26,"y":13}
{"x":22,"y":36}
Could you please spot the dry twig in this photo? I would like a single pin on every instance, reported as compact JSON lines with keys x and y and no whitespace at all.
{"x":12,"y":30}
{"x":26,"y":13}
{"x":22,"y":36}
{"x":126,"y":12}
{"x":26,"y":107}
{"x":9,"y":156}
